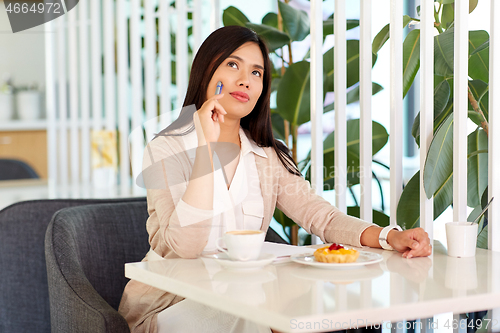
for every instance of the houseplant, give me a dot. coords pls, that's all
(438, 169)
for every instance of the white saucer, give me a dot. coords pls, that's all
(365, 258)
(223, 259)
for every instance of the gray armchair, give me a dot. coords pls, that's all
(86, 249)
(24, 300)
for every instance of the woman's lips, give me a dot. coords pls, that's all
(240, 96)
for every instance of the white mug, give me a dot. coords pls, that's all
(242, 245)
(461, 238)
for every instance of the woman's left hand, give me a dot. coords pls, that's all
(412, 242)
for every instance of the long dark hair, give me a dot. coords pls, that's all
(215, 49)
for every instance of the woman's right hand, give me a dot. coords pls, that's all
(207, 118)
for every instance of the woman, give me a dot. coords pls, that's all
(219, 169)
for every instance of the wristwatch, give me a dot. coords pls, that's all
(382, 238)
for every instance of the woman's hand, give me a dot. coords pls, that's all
(412, 242)
(207, 118)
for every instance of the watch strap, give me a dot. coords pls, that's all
(382, 238)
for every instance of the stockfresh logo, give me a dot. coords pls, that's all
(24, 15)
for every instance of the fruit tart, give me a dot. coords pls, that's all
(336, 254)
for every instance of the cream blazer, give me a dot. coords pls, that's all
(292, 194)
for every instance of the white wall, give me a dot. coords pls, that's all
(22, 55)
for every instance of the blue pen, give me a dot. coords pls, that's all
(218, 90)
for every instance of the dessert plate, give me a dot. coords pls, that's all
(365, 258)
(226, 262)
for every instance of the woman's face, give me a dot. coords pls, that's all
(242, 76)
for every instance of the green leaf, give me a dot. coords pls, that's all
(233, 16)
(353, 96)
(295, 21)
(278, 125)
(477, 167)
(479, 61)
(411, 59)
(293, 98)
(284, 220)
(439, 162)
(444, 2)
(482, 238)
(352, 63)
(481, 47)
(383, 35)
(447, 16)
(379, 218)
(472, 5)
(271, 19)
(441, 111)
(443, 53)
(379, 140)
(408, 211)
(328, 25)
(274, 38)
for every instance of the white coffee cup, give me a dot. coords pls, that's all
(242, 245)
(461, 238)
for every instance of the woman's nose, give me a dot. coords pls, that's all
(244, 81)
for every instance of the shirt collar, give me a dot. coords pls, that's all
(248, 145)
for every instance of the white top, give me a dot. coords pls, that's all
(239, 207)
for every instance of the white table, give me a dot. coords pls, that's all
(291, 297)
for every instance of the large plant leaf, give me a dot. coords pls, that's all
(411, 59)
(379, 140)
(443, 54)
(293, 98)
(379, 218)
(477, 167)
(441, 109)
(352, 64)
(233, 16)
(271, 19)
(439, 162)
(482, 238)
(328, 25)
(278, 125)
(275, 39)
(408, 211)
(478, 62)
(295, 21)
(447, 16)
(383, 35)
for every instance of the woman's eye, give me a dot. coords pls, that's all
(257, 73)
(232, 64)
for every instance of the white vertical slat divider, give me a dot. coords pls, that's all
(493, 154)
(197, 25)
(181, 49)
(396, 86)
(63, 101)
(316, 19)
(150, 67)
(84, 91)
(365, 99)
(136, 137)
(461, 59)
(215, 22)
(340, 55)
(123, 95)
(109, 65)
(165, 61)
(96, 63)
(426, 106)
(50, 95)
(74, 152)
(494, 131)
